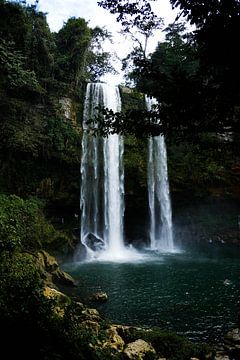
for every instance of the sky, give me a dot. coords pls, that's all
(59, 11)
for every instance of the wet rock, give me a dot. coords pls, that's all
(93, 242)
(138, 349)
(100, 297)
(233, 336)
(63, 277)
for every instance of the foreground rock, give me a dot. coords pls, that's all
(138, 350)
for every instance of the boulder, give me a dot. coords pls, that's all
(233, 337)
(63, 277)
(100, 297)
(138, 349)
(52, 293)
(113, 340)
(94, 242)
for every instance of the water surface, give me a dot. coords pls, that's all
(195, 293)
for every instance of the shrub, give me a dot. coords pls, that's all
(23, 225)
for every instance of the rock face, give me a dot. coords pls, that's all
(61, 299)
(113, 340)
(49, 261)
(51, 271)
(138, 350)
(68, 109)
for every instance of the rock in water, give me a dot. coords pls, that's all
(94, 243)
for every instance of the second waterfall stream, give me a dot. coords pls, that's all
(161, 228)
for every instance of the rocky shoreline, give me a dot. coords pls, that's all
(121, 341)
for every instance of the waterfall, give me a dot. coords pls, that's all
(161, 229)
(102, 179)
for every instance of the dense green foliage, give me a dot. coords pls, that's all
(72, 43)
(195, 81)
(24, 227)
(19, 223)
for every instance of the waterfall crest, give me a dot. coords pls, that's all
(102, 179)
(161, 229)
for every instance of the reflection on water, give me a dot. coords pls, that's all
(194, 293)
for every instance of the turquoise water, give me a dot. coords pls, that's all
(195, 293)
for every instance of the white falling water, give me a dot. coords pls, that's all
(114, 180)
(161, 229)
(102, 180)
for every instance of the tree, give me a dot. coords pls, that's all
(13, 73)
(40, 45)
(72, 42)
(28, 32)
(217, 25)
(212, 91)
(136, 18)
(98, 60)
